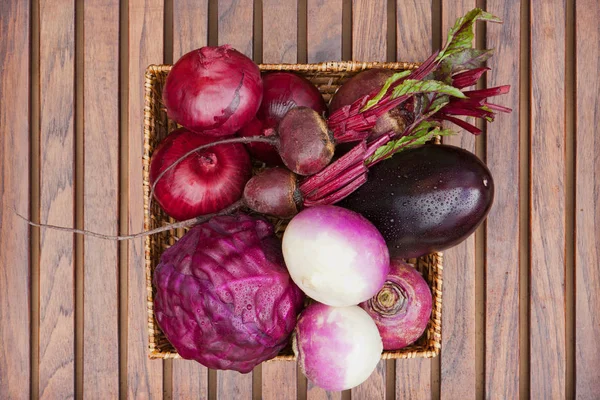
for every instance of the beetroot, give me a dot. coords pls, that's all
(273, 191)
(214, 90)
(361, 84)
(223, 295)
(205, 182)
(282, 91)
(306, 145)
(401, 309)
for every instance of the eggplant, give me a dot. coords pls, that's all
(425, 199)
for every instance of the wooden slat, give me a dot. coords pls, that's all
(57, 286)
(279, 380)
(324, 30)
(235, 29)
(587, 208)
(324, 43)
(190, 21)
(144, 376)
(458, 375)
(14, 181)
(233, 385)
(316, 393)
(190, 26)
(101, 183)
(413, 30)
(190, 380)
(369, 30)
(280, 35)
(369, 27)
(280, 45)
(413, 379)
(502, 242)
(374, 386)
(547, 225)
(235, 24)
(413, 43)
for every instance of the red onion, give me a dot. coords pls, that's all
(213, 90)
(401, 309)
(203, 183)
(282, 91)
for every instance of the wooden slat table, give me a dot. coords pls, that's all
(521, 314)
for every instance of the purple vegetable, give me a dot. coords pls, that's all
(204, 183)
(370, 82)
(282, 91)
(401, 309)
(335, 255)
(214, 90)
(425, 199)
(337, 348)
(223, 295)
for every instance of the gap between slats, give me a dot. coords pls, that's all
(570, 208)
(168, 59)
(123, 191)
(79, 164)
(213, 40)
(34, 212)
(480, 238)
(436, 43)
(524, 200)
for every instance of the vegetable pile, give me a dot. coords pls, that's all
(357, 184)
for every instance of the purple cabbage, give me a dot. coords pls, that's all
(224, 296)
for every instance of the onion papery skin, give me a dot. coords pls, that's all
(213, 90)
(402, 308)
(204, 182)
(282, 91)
(337, 348)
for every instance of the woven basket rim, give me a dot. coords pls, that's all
(328, 66)
(433, 346)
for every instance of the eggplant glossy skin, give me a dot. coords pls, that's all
(425, 199)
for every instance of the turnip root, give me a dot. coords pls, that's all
(336, 256)
(337, 348)
(401, 309)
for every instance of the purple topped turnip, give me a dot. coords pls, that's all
(223, 295)
(337, 348)
(335, 255)
(401, 309)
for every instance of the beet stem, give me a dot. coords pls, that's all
(334, 184)
(181, 224)
(340, 194)
(332, 170)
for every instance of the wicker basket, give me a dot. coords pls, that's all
(327, 77)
